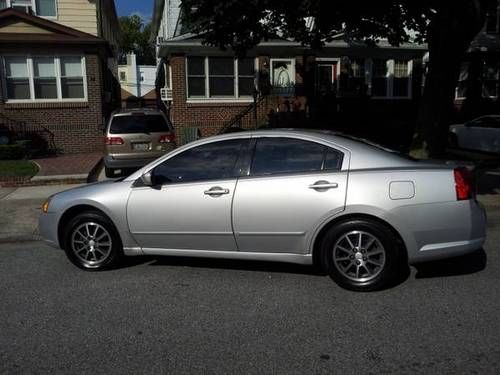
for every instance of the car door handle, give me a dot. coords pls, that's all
(323, 185)
(216, 190)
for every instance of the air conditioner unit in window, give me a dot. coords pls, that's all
(166, 94)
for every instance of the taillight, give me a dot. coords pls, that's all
(167, 138)
(113, 141)
(463, 183)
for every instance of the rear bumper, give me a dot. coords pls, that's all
(445, 230)
(448, 250)
(110, 162)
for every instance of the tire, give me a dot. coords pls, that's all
(379, 260)
(109, 172)
(92, 243)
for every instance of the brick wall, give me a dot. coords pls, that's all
(76, 126)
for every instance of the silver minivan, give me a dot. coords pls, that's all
(135, 137)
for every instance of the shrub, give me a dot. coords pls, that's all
(12, 152)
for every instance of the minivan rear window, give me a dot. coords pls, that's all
(138, 124)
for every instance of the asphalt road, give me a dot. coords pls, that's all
(179, 315)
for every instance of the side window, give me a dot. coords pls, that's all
(333, 160)
(289, 155)
(211, 161)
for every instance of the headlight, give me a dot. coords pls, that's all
(45, 205)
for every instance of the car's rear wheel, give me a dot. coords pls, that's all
(361, 255)
(109, 172)
(92, 242)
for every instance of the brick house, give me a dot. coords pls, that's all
(58, 70)
(212, 90)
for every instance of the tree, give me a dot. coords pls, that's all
(447, 26)
(135, 38)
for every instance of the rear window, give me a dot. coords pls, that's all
(138, 124)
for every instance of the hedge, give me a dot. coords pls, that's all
(12, 152)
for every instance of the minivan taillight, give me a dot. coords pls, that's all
(463, 183)
(167, 138)
(113, 141)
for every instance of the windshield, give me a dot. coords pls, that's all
(138, 124)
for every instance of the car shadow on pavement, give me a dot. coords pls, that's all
(231, 264)
(463, 265)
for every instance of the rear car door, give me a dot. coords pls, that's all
(190, 206)
(292, 186)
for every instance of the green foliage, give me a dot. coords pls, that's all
(243, 24)
(135, 38)
(12, 152)
(11, 168)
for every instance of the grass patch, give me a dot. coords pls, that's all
(17, 168)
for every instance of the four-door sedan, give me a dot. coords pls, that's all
(357, 210)
(481, 134)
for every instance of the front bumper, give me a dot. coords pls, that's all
(47, 226)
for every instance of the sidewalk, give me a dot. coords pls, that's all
(20, 208)
(62, 169)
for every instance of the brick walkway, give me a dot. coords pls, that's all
(72, 164)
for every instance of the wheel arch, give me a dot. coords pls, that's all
(316, 245)
(71, 212)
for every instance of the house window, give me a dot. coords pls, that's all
(17, 77)
(356, 82)
(72, 84)
(196, 76)
(379, 78)
(123, 76)
(400, 83)
(42, 8)
(22, 5)
(490, 80)
(44, 78)
(246, 74)
(219, 77)
(283, 76)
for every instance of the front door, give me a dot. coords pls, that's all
(190, 208)
(326, 77)
(293, 186)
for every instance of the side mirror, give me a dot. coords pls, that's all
(147, 179)
(103, 128)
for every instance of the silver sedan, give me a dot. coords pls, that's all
(360, 212)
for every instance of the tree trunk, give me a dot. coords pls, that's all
(450, 34)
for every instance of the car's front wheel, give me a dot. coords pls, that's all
(362, 255)
(92, 242)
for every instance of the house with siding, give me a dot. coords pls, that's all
(58, 70)
(279, 80)
(137, 83)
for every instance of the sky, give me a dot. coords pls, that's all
(143, 8)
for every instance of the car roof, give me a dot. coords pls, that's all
(132, 111)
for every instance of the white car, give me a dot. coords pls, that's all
(481, 134)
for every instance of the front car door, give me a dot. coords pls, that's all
(293, 185)
(190, 208)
